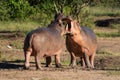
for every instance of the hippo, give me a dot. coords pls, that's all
(81, 42)
(45, 42)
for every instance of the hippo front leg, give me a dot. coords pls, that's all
(73, 60)
(92, 60)
(87, 61)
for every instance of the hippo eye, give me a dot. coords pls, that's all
(60, 24)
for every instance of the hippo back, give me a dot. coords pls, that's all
(89, 35)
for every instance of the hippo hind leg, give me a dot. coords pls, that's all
(38, 57)
(57, 59)
(27, 59)
(83, 62)
(48, 61)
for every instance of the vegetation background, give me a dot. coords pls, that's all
(25, 15)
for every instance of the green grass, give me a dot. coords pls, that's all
(104, 34)
(115, 26)
(104, 11)
(18, 26)
(112, 31)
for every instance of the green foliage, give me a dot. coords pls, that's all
(20, 9)
(15, 9)
(42, 11)
(4, 10)
(85, 18)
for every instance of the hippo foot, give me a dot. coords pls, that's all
(39, 68)
(26, 68)
(87, 68)
(73, 66)
(59, 65)
(48, 65)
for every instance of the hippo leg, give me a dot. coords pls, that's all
(57, 59)
(73, 60)
(87, 61)
(92, 60)
(83, 62)
(37, 60)
(48, 61)
(27, 59)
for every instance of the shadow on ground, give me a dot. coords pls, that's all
(108, 63)
(103, 63)
(11, 65)
(107, 22)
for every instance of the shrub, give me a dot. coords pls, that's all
(15, 9)
(85, 18)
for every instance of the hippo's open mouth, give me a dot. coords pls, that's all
(68, 26)
(70, 34)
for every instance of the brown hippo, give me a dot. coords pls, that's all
(80, 42)
(45, 42)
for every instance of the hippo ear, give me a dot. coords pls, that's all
(60, 21)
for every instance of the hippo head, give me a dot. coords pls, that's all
(73, 27)
(58, 22)
(60, 16)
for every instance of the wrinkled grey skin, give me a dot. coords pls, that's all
(82, 45)
(45, 42)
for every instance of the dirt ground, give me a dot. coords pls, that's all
(107, 62)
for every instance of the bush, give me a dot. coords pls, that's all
(15, 9)
(85, 18)
(4, 9)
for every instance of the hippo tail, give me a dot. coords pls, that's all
(28, 42)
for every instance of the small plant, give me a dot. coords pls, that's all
(17, 44)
